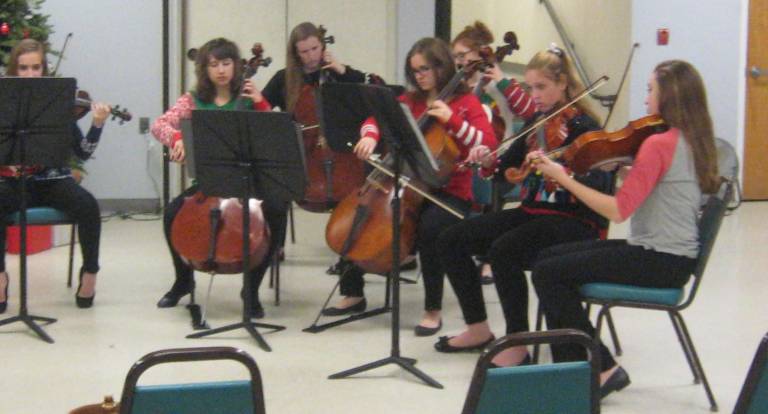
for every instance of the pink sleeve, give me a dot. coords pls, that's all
(653, 161)
(166, 127)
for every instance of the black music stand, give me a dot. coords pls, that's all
(248, 154)
(406, 143)
(36, 121)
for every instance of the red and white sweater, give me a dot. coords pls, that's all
(468, 126)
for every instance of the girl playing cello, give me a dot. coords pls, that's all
(219, 74)
(512, 238)
(55, 187)
(428, 69)
(669, 175)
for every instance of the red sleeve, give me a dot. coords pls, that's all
(651, 163)
(469, 124)
(262, 106)
(370, 129)
(519, 101)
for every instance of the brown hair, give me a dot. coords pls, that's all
(219, 49)
(683, 105)
(23, 47)
(294, 72)
(555, 64)
(438, 56)
(474, 36)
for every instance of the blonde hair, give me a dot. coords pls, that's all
(555, 65)
(294, 73)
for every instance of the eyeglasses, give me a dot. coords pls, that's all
(421, 70)
(461, 55)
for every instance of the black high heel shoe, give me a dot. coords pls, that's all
(80, 301)
(4, 304)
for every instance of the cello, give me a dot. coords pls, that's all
(510, 45)
(360, 227)
(207, 232)
(330, 175)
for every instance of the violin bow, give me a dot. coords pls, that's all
(61, 54)
(621, 83)
(507, 142)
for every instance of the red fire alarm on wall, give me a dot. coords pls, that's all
(662, 37)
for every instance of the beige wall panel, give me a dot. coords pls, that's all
(600, 30)
(242, 21)
(364, 30)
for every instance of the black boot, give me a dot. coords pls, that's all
(178, 291)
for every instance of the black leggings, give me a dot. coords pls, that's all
(560, 272)
(511, 240)
(62, 194)
(432, 222)
(276, 220)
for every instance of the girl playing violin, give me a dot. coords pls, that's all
(669, 175)
(55, 187)
(512, 238)
(219, 75)
(428, 69)
(504, 98)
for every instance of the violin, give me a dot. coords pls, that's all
(330, 175)
(83, 106)
(596, 149)
(551, 131)
(360, 227)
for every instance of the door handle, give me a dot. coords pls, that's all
(755, 72)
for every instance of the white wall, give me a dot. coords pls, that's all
(415, 19)
(116, 55)
(711, 36)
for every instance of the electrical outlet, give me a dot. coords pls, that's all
(143, 125)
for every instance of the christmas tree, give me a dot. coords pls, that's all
(21, 19)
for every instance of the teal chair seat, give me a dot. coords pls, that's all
(629, 293)
(41, 216)
(211, 398)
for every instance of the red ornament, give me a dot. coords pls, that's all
(5, 28)
(25, 33)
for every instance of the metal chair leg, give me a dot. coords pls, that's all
(71, 254)
(539, 323)
(612, 330)
(293, 226)
(686, 348)
(697, 362)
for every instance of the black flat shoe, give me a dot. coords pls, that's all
(257, 311)
(4, 304)
(616, 382)
(442, 345)
(356, 308)
(408, 266)
(420, 330)
(81, 302)
(172, 297)
(525, 361)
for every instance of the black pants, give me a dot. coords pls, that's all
(511, 240)
(275, 217)
(62, 194)
(560, 271)
(433, 220)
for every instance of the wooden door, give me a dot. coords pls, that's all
(756, 131)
